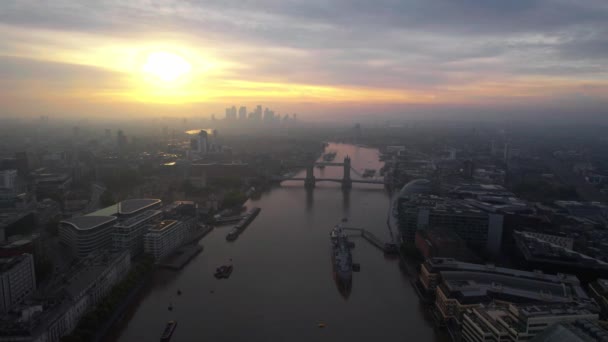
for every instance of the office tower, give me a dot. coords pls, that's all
(203, 142)
(268, 115)
(86, 234)
(258, 113)
(17, 280)
(8, 179)
(233, 113)
(357, 132)
(22, 163)
(242, 113)
(121, 140)
(479, 228)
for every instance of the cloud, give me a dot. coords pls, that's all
(432, 47)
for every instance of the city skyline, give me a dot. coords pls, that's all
(544, 58)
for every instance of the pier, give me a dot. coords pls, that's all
(179, 258)
(183, 254)
(386, 247)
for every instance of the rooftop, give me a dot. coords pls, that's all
(515, 316)
(477, 287)
(163, 225)
(539, 310)
(577, 331)
(8, 263)
(499, 204)
(475, 190)
(435, 265)
(535, 248)
(481, 283)
(89, 222)
(132, 221)
(441, 205)
(415, 186)
(132, 206)
(107, 211)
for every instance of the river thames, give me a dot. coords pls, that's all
(282, 286)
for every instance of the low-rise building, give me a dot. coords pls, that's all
(441, 242)
(518, 322)
(584, 330)
(165, 237)
(66, 300)
(598, 290)
(458, 286)
(129, 234)
(17, 280)
(536, 252)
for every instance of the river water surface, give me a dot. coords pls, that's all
(282, 286)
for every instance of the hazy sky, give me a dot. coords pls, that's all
(309, 56)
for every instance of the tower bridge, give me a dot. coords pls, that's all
(310, 180)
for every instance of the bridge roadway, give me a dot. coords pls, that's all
(328, 164)
(337, 180)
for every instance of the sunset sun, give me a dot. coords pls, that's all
(166, 66)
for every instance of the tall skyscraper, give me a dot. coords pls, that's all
(121, 140)
(268, 115)
(203, 142)
(258, 113)
(8, 179)
(242, 113)
(233, 113)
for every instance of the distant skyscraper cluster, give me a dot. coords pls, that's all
(258, 114)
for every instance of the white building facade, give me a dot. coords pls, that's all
(165, 237)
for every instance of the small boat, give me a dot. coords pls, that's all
(223, 272)
(168, 332)
(179, 292)
(233, 234)
(170, 308)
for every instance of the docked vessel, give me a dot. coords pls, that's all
(243, 223)
(168, 332)
(232, 234)
(342, 260)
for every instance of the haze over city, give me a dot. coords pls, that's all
(416, 58)
(291, 170)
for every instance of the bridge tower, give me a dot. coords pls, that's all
(347, 182)
(309, 182)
